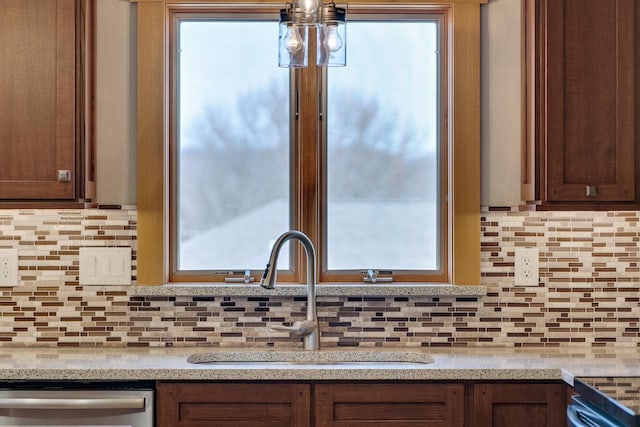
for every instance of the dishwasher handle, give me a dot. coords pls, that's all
(72, 403)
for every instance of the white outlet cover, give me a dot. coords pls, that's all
(105, 266)
(527, 267)
(9, 267)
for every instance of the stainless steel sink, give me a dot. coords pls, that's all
(251, 358)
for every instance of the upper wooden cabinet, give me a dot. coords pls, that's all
(46, 81)
(581, 94)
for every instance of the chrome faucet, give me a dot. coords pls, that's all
(309, 327)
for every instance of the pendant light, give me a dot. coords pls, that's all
(293, 41)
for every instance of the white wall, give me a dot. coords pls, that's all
(116, 102)
(500, 102)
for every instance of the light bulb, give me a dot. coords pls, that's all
(309, 6)
(293, 40)
(332, 40)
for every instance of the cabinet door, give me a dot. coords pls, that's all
(590, 100)
(379, 405)
(233, 405)
(46, 87)
(522, 405)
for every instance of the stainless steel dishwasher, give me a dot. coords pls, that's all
(46, 404)
(582, 414)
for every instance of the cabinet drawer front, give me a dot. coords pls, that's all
(232, 405)
(524, 405)
(352, 405)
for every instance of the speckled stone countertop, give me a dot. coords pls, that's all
(457, 364)
(254, 289)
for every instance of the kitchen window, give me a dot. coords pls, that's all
(238, 121)
(361, 158)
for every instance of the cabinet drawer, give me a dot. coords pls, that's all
(505, 405)
(232, 405)
(353, 405)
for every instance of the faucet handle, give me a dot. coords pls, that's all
(300, 328)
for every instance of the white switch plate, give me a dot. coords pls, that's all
(105, 266)
(9, 267)
(526, 267)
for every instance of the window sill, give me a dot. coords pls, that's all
(283, 290)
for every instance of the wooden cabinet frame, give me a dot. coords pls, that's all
(407, 405)
(516, 404)
(357, 403)
(49, 115)
(572, 137)
(234, 404)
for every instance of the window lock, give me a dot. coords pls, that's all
(236, 278)
(373, 276)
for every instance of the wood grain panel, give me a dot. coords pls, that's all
(390, 412)
(152, 157)
(465, 145)
(37, 107)
(236, 412)
(353, 405)
(590, 76)
(229, 404)
(522, 405)
(520, 414)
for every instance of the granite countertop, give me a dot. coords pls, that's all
(18, 364)
(289, 290)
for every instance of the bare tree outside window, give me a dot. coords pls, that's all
(234, 171)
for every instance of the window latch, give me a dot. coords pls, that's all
(373, 276)
(246, 278)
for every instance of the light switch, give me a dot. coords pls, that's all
(105, 266)
(117, 266)
(88, 264)
(103, 263)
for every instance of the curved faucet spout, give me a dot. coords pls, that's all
(268, 281)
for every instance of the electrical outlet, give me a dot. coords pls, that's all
(526, 267)
(9, 267)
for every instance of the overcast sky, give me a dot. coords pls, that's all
(220, 60)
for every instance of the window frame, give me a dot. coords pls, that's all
(462, 119)
(441, 275)
(226, 13)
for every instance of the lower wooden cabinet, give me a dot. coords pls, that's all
(356, 404)
(233, 405)
(395, 404)
(521, 404)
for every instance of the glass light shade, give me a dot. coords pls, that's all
(331, 49)
(292, 45)
(309, 7)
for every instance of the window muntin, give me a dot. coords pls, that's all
(384, 181)
(435, 270)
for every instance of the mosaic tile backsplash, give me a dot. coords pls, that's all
(589, 292)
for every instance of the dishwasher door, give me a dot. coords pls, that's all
(582, 414)
(76, 407)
